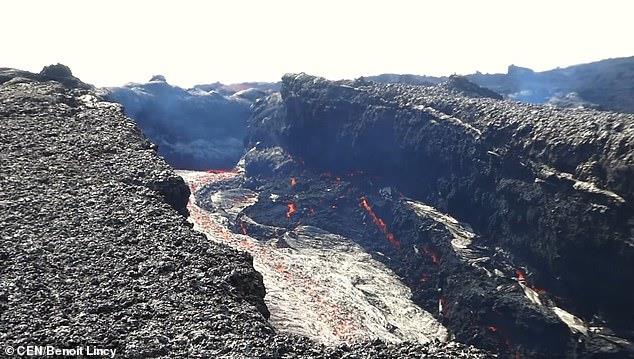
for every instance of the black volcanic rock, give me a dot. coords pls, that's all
(56, 72)
(160, 78)
(94, 251)
(409, 79)
(62, 74)
(552, 187)
(462, 85)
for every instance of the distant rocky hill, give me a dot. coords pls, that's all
(95, 247)
(198, 128)
(604, 85)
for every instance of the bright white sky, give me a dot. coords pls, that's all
(117, 41)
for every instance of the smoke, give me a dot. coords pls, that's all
(194, 128)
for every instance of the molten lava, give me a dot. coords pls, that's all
(521, 277)
(365, 204)
(378, 221)
(291, 208)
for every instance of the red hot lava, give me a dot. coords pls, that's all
(521, 277)
(291, 208)
(365, 204)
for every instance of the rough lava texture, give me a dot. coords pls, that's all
(95, 251)
(550, 188)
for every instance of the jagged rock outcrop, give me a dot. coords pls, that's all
(552, 187)
(94, 250)
(198, 128)
(463, 86)
(58, 72)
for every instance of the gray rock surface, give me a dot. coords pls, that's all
(94, 249)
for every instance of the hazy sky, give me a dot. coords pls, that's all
(117, 41)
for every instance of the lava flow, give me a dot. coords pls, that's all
(365, 204)
(520, 276)
(291, 208)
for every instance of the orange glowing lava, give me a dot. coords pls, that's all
(365, 204)
(291, 208)
(521, 277)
